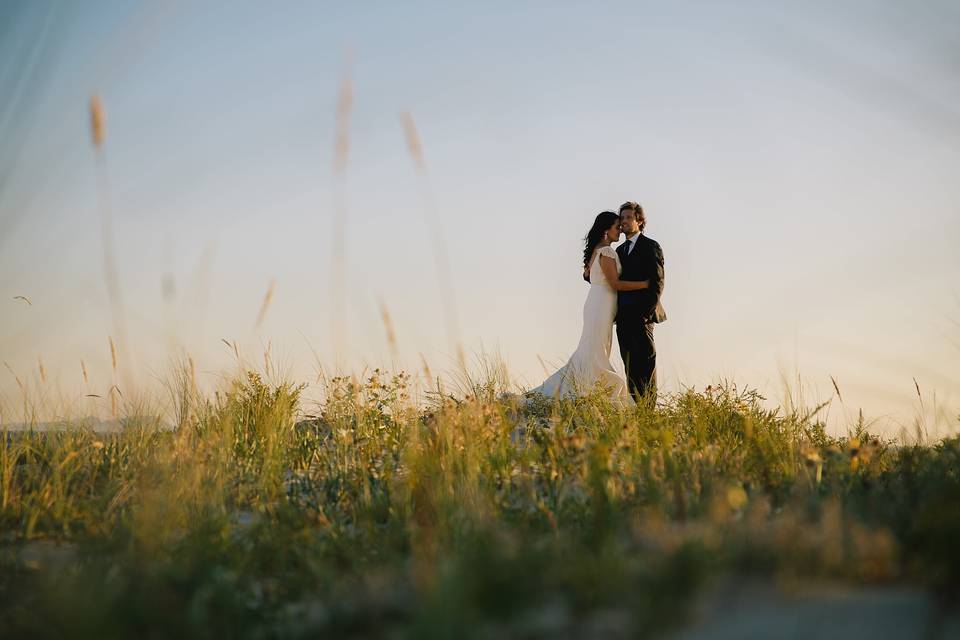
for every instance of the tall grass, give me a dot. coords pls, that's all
(474, 513)
(338, 250)
(111, 272)
(434, 229)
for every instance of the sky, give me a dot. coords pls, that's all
(797, 165)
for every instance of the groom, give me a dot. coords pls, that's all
(638, 311)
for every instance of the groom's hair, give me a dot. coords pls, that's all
(637, 212)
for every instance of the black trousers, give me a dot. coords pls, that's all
(639, 355)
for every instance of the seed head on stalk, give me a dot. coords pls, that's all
(98, 121)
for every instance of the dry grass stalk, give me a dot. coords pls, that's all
(341, 154)
(836, 388)
(113, 401)
(83, 370)
(111, 272)
(414, 146)
(341, 148)
(543, 364)
(113, 353)
(434, 228)
(265, 305)
(388, 327)
(15, 376)
(98, 121)
(232, 346)
(43, 370)
(25, 299)
(426, 368)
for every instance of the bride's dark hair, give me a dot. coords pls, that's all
(603, 221)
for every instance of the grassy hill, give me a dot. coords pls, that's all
(476, 514)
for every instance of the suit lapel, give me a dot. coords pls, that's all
(629, 261)
(636, 249)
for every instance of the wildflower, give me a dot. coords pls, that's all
(853, 447)
(736, 497)
(861, 453)
(811, 455)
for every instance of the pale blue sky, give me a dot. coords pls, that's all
(798, 166)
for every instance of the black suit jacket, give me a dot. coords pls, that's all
(645, 262)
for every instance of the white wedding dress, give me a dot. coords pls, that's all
(590, 363)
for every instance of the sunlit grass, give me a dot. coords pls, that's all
(419, 512)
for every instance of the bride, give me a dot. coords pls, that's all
(590, 363)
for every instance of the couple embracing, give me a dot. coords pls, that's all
(625, 288)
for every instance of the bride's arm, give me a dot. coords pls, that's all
(609, 267)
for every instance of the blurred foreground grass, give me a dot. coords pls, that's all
(477, 515)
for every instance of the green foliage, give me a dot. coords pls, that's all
(483, 514)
